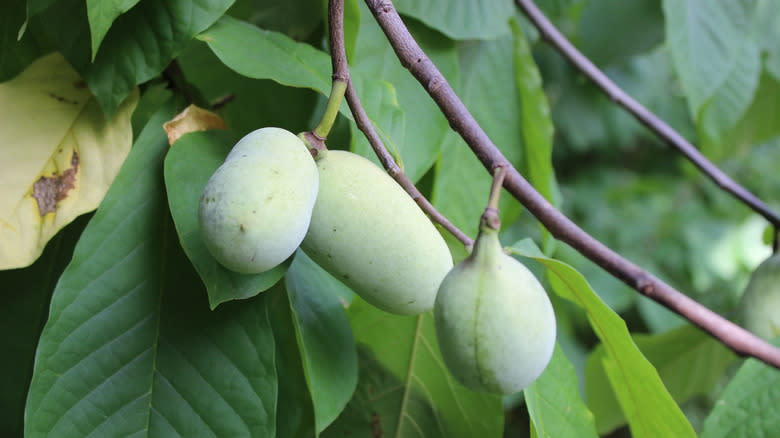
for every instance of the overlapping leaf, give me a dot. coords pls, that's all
(554, 403)
(689, 361)
(101, 14)
(188, 166)
(324, 337)
(405, 389)
(650, 409)
(749, 406)
(461, 19)
(131, 347)
(65, 154)
(137, 47)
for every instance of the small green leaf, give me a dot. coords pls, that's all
(418, 397)
(689, 361)
(101, 14)
(749, 406)
(537, 127)
(650, 409)
(554, 403)
(324, 337)
(294, 409)
(188, 166)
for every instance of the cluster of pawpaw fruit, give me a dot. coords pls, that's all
(494, 321)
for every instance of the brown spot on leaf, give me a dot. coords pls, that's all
(59, 98)
(50, 190)
(80, 84)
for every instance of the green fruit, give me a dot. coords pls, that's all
(759, 308)
(494, 322)
(256, 207)
(368, 232)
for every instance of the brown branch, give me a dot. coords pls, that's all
(461, 120)
(642, 114)
(341, 71)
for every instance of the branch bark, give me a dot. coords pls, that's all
(642, 114)
(417, 62)
(341, 72)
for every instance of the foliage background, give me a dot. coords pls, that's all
(116, 336)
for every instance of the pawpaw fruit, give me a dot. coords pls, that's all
(759, 306)
(368, 233)
(256, 207)
(494, 322)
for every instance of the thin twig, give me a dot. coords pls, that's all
(413, 58)
(645, 116)
(341, 71)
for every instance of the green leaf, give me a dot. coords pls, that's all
(130, 347)
(487, 87)
(101, 14)
(188, 166)
(611, 31)
(648, 406)
(380, 98)
(294, 409)
(297, 19)
(706, 39)
(426, 127)
(537, 127)
(25, 307)
(408, 387)
(61, 171)
(256, 103)
(461, 19)
(324, 337)
(749, 406)
(15, 54)
(139, 45)
(554, 403)
(689, 361)
(247, 50)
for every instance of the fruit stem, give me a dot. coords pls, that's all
(490, 219)
(332, 109)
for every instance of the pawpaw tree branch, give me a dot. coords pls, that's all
(341, 73)
(422, 68)
(642, 114)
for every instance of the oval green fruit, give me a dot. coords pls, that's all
(759, 307)
(494, 322)
(368, 233)
(256, 207)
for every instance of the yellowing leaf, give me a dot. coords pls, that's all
(59, 155)
(192, 119)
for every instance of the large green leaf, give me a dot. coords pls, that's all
(139, 45)
(188, 166)
(426, 127)
(749, 406)
(689, 361)
(487, 87)
(554, 403)
(26, 294)
(324, 337)
(297, 19)
(461, 19)
(714, 55)
(130, 347)
(101, 14)
(650, 409)
(537, 126)
(407, 386)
